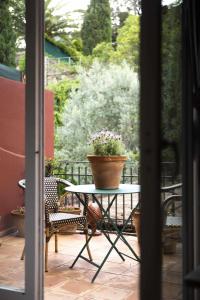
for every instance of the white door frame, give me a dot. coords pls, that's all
(34, 137)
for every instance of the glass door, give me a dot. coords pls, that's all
(171, 151)
(22, 152)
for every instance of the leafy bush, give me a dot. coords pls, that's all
(107, 98)
(77, 44)
(104, 52)
(126, 46)
(61, 92)
(22, 63)
(128, 40)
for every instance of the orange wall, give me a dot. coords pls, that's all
(12, 132)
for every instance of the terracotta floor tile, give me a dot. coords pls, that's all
(117, 280)
(171, 291)
(124, 282)
(107, 293)
(59, 296)
(77, 287)
(173, 277)
(53, 279)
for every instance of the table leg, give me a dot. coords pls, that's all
(106, 257)
(79, 255)
(119, 232)
(109, 239)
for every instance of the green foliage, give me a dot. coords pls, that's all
(61, 92)
(56, 25)
(7, 35)
(127, 45)
(107, 97)
(171, 77)
(103, 51)
(50, 166)
(106, 143)
(96, 26)
(77, 44)
(128, 40)
(22, 63)
(17, 11)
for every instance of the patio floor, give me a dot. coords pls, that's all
(118, 280)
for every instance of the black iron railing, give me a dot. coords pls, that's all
(79, 172)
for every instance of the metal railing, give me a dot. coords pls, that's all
(79, 172)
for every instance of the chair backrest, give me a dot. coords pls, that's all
(51, 192)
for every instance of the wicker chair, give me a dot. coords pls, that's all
(55, 219)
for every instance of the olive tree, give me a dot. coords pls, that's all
(107, 98)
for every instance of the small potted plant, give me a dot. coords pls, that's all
(107, 159)
(50, 165)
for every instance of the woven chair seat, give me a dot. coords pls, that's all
(65, 218)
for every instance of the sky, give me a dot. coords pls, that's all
(71, 5)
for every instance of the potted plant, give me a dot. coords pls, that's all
(50, 165)
(107, 159)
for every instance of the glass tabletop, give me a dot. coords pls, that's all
(90, 189)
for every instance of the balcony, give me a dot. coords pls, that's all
(116, 279)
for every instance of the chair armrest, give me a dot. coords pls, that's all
(166, 204)
(170, 200)
(65, 182)
(171, 188)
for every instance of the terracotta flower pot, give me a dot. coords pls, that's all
(107, 170)
(93, 215)
(136, 219)
(18, 222)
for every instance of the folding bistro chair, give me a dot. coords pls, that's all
(54, 219)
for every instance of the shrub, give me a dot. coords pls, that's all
(61, 92)
(107, 98)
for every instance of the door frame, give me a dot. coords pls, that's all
(34, 162)
(150, 146)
